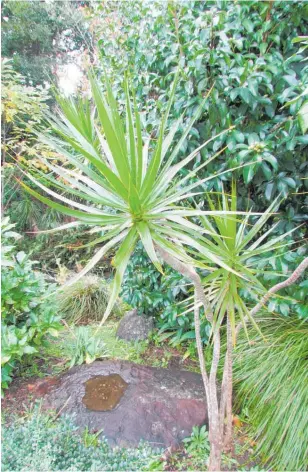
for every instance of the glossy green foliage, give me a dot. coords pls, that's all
(163, 296)
(260, 83)
(40, 443)
(27, 315)
(147, 289)
(271, 383)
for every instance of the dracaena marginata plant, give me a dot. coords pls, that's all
(128, 187)
(239, 243)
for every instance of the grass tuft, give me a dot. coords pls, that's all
(271, 383)
(86, 301)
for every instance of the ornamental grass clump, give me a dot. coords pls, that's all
(270, 377)
(86, 301)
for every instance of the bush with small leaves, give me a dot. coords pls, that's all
(39, 443)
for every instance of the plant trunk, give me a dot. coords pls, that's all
(228, 386)
(215, 432)
(209, 381)
(215, 456)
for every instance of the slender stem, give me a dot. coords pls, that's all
(286, 283)
(190, 273)
(210, 384)
(291, 280)
(229, 381)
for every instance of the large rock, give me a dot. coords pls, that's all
(134, 327)
(141, 403)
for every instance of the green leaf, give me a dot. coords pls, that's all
(246, 95)
(120, 261)
(248, 25)
(303, 117)
(147, 242)
(248, 173)
(96, 258)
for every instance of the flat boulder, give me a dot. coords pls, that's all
(134, 327)
(131, 402)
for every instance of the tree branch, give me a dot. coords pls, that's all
(286, 283)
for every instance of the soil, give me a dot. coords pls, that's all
(23, 393)
(169, 357)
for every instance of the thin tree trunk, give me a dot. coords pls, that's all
(210, 384)
(215, 434)
(190, 273)
(228, 387)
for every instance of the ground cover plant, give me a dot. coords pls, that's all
(42, 442)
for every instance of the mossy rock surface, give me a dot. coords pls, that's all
(134, 327)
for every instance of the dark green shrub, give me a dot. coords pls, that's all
(27, 304)
(147, 289)
(271, 384)
(39, 444)
(245, 49)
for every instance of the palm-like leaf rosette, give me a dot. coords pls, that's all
(127, 186)
(244, 247)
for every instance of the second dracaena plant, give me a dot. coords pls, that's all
(240, 244)
(124, 183)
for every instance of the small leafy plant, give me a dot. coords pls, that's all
(37, 442)
(198, 442)
(85, 346)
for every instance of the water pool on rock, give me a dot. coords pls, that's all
(104, 392)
